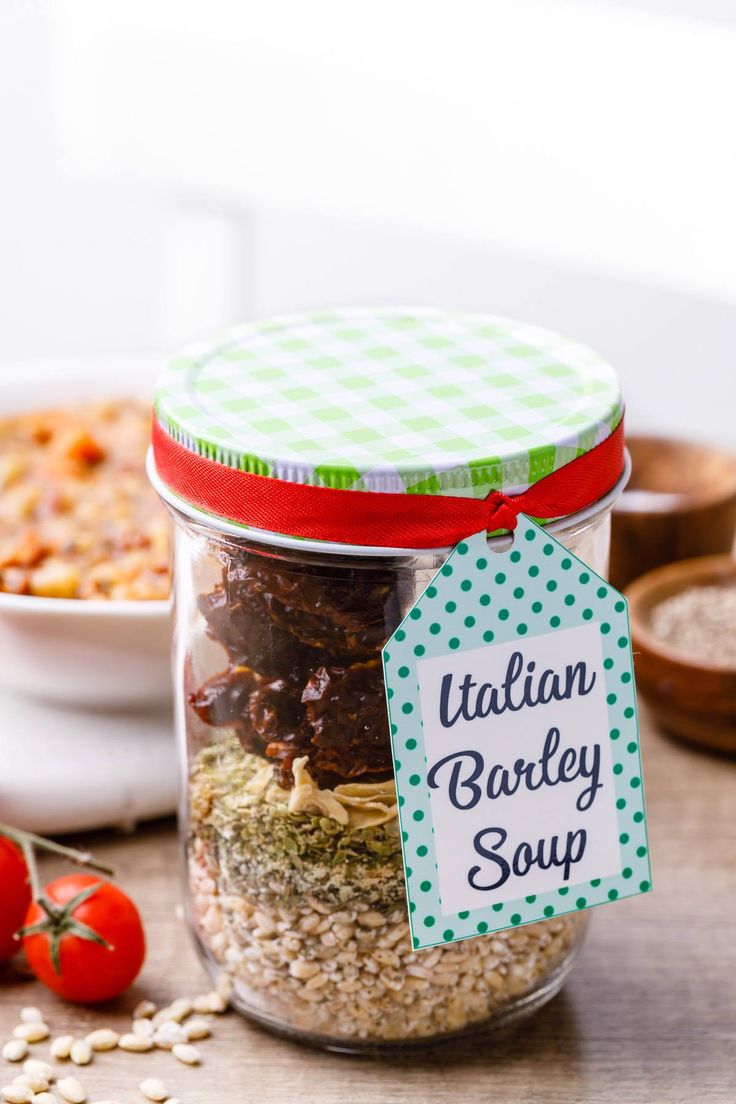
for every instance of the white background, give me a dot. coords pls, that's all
(527, 816)
(169, 167)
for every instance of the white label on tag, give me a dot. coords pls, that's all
(520, 792)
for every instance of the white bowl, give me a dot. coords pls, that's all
(83, 653)
(70, 770)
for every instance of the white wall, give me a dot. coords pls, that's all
(175, 166)
(675, 352)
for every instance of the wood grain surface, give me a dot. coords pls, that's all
(649, 1015)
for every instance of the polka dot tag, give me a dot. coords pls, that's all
(524, 598)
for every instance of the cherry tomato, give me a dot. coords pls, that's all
(84, 939)
(15, 896)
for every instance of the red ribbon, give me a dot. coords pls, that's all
(376, 518)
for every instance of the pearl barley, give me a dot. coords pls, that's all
(81, 1052)
(153, 1089)
(186, 1053)
(17, 1094)
(15, 1051)
(104, 1038)
(71, 1090)
(61, 1046)
(138, 1044)
(33, 1081)
(36, 1067)
(32, 1032)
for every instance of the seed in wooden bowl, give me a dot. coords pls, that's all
(186, 1053)
(32, 1032)
(45, 1098)
(153, 1089)
(144, 1010)
(61, 1046)
(81, 1052)
(699, 621)
(143, 1027)
(71, 1090)
(137, 1044)
(31, 1015)
(104, 1038)
(15, 1050)
(16, 1094)
(42, 1069)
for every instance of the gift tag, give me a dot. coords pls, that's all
(513, 722)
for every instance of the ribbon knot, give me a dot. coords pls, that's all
(374, 518)
(501, 512)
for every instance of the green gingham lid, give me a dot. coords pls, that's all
(416, 401)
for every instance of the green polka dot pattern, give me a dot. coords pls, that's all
(463, 618)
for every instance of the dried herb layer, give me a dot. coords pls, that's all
(275, 856)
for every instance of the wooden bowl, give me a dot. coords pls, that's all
(692, 699)
(680, 502)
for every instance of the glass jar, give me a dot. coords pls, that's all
(295, 878)
(289, 817)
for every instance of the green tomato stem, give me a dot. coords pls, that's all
(28, 842)
(30, 857)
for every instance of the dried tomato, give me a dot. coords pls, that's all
(305, 675)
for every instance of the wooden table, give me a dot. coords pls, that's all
(647, 1016)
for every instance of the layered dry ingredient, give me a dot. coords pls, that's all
(78, 517)
(294, 840)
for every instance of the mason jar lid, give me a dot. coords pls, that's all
(388, 400)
